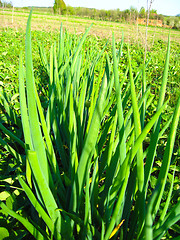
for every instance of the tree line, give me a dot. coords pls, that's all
(116, 15)
(128, 15)
(107, 15)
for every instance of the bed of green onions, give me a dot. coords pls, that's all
(87, 167)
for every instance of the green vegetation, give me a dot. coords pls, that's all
(5, 4)
(173, 22)
(116, 15)
(59, 6)
(88, 138)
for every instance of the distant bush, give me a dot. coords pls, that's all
(173, 22)
(177, 23)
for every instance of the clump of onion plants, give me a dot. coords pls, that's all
(90, 151)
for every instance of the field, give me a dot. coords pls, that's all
(89, 135)
(103, 29)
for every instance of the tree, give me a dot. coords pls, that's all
(161, 17)
(171, 21)
(133, 13)
(142, 12)
(126, 14)
(59, 7)
(5, 4)
(70, 10)
(177, 23)
(153, 14)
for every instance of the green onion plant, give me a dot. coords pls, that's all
(88, 165)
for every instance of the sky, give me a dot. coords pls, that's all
(165, 7)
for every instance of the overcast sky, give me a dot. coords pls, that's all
(165, 7)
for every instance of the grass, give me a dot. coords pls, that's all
(84, 141)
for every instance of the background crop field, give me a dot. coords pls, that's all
(103, 29)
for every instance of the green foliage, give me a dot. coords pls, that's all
(59, 7)
(6, 4)
(142, 13)
(173, 22)
(84, 145)
(127, 15)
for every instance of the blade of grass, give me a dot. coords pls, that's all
(79, 48)
(165, 209)
(122, 145)
(25, 222)
(36, 134)
(172, 218)
(140, 162)
(36, 204)
(46, 193)
(89, 145)
(149, 219)
(11, 150)
(11, 135)
(24, 116)
(154, 139)
(167, 157)
(50, 149)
